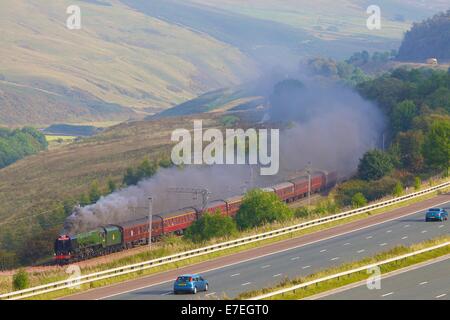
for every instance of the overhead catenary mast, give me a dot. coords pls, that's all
(203, 192)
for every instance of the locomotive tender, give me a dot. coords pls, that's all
(121, 236)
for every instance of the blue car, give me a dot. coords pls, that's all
(190, 283)
(436, 214)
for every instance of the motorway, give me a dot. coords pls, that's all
(268, 265)
(430, 281)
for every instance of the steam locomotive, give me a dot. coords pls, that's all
(113, 238)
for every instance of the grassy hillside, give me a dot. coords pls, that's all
(230, 99)
(32, 188)
(119, 56)
(336, 29)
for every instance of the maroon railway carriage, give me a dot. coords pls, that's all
(177, 221)
(135, 232)
(233, 205)
(318, 181)
(285, 191)
(217, 205)
(300, 187)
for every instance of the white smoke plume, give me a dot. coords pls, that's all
(333, 127)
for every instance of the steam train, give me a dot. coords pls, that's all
(113, 238)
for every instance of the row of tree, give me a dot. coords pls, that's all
(19, 143)
(417, 105)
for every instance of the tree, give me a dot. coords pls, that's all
(21, 280)
(94, 192)
(402, 115)
(358, 200)
(84, 200)
(410, 144)
(374, 165)
(111, 185)
(437, 146)
(146, 169)
(211, 226)
(130, 178)
(417, 183)
(259, 207)
(398, 189)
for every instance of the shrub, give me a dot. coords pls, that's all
(358, 200)
(398, 189)
(21, 280)
(374, 165)
(211, 226)
(260, 207)
(417, 183)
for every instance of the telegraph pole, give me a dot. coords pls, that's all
(150, 220)
(308, 171)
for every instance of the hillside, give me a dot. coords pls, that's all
(427, 39)
(230, 99)
(337, 29)
(120, 57)
(33, 188)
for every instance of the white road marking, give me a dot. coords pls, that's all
(266, 266)
(441, 226)
(167, 293)
(383, 244)
(272, 253)
(295, 258)
(324, 250)
(441, 295)
(387, 294)
(235, 275)
(335, 258)
(306, 267)
(347, 244)
(389, 231)
(361, 251)
(277, 275)
(369, 237)
(424, 231)
(406, 226)
(422, 283)
(246, 284)
(405, 237)
(210, 294)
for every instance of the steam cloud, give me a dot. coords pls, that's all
(333, 127)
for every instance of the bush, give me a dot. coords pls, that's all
(260, 207)
(398, 189)
(302, 212)
(145, 170)
(371, 190)
(21, 280)
(348, 189)
(358, 200)
(374, 165)
(211, 226)
(417, 183)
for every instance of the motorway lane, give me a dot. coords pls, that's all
(270, 270)
(427, 282)
(267, 265)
